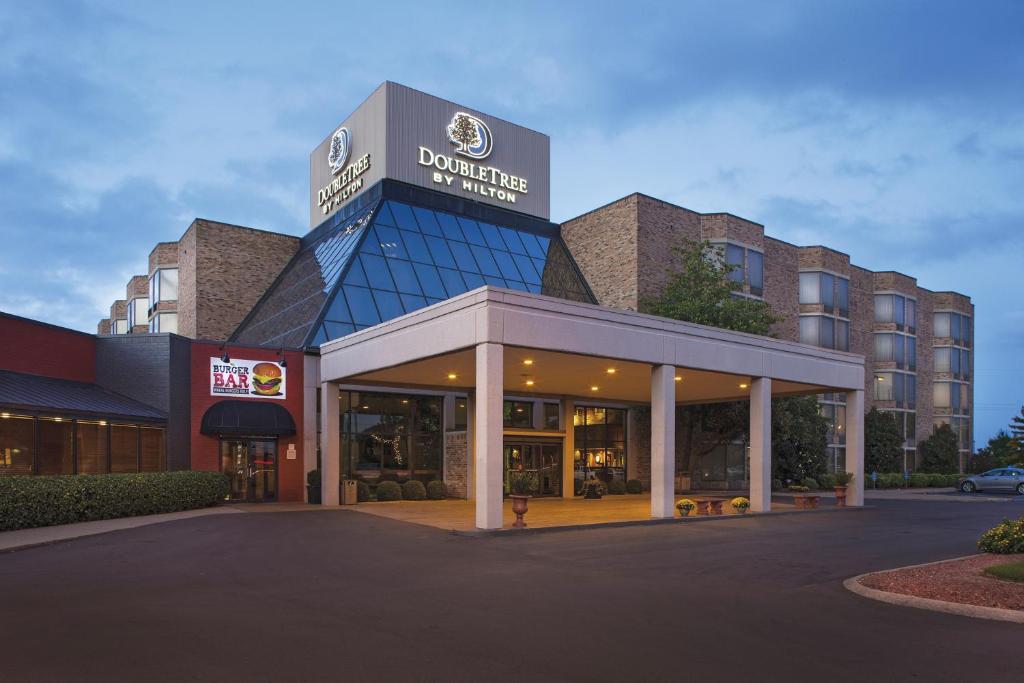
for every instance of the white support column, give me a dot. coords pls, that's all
(488, 435)
(310, 385)
(663, 440)
(761, 444)
(568, 409)
(855, 446)
(330, 443)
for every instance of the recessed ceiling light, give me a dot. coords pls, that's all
(743, 385)
(610, 371)
(594, 388)
(529, 382)
(528, 361)
(452, 375)
(405, 400)
(679, 378)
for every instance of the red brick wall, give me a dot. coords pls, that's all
(206, 449)
(39, 349)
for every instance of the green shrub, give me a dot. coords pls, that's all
(34, 501)
(776, 484)
(827, 481)
(634, 486)
(797, 488)
(389, 490)
(811, 483)
(313, 478)
(616, 487)
(362, 491)
(842, 478)
(936, 480)
(414, 490)
(891, 480)
(1007, 537)
(436, 490)
(919, 480)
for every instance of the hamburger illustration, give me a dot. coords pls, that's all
(266, 379)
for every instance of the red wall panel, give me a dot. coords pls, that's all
(291, 478)
(37, 348)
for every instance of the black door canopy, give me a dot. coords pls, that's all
(247, 418)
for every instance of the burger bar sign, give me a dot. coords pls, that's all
(247, 378)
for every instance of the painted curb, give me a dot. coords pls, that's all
(854, 585)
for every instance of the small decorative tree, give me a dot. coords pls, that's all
(940, 452)
(883, 442)
(1017, 432)
(463, 130)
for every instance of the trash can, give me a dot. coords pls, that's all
(349, 492)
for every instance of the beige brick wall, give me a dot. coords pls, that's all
(456, 453)
(187, 323)
(604, 244)
(661, 227)
(781, 282)
(103, 326)
(163, 255)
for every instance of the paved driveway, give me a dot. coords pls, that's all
(342, 596)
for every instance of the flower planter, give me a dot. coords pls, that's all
(684, 512)
(741, 511)
(519, 505)
(840, 496)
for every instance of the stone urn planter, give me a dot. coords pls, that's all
(519, 507)
(840, 496)
(685, 506)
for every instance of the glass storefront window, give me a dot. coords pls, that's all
(16, 442)
(600, 443)
(56, 447)
(152, 456)
(124, 448)
(552, 420)
(518, 414)
(391, 435)
(91, 442)
(461, 414)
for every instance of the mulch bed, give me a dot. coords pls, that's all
(962, 581)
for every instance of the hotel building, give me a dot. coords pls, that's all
(435, 324)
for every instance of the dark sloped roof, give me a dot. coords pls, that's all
(19, 391)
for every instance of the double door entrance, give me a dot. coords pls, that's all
(541, 457)
(251, 468)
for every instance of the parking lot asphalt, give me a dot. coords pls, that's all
(319, 596)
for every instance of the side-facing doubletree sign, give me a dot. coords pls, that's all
(487, 181)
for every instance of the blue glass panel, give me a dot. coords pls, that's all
(427, 221)
(413, 303)
(486, 261)
(496, 281)
(403, 216)
(527, 269)
(539, 265)
(473, 235)
(430, 280)
(520, 286)
(473, 280)
(453, 282)
(416, 247)
(377, 271)
(320, 337)
(360, 302)
(405, 278)
(390, 241)
(533, 248)
(338, 310)
(355, 275)
(336, 330)
(431, 302)
(494, 240)
(544, 244)
(533, 288)
(388, 303)
(511, 237)
(439, 250)
(450, 227)
(506, 266)
(372, 244)
(463, 257)
(384, 215)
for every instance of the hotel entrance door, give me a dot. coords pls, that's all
(543, 458)
(251, 468)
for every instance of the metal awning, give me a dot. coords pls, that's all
(247, 418)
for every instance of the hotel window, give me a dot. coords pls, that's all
(911, 316)
(600, 443)
(17, 436)
(163, 286)
(896, 348)
(897, 387)
(518, 415)
(137, 313)
(889, 308)
(734, 257)
(120, 326)
(843, 297)
(391, 435)
(825, 331)
(749, 266)
(755, 272)
(952, 397)
(164, 322)
(954, 326)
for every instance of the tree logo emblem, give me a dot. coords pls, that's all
(341, 146)
(470, 135)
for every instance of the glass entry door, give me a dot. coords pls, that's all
(544, 459)
(251, 468)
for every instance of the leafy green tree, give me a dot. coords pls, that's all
(700, 291)
(940, 452)
(799, 439)
(883, 442)
(1000, 452)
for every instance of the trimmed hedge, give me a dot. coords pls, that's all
(811, 483)
(617, 487)
(894, 480)
(827, 481)
(362, 491)
(634, 486)
(414, 490)
(34, 501)
(389, 490)
(436, 490)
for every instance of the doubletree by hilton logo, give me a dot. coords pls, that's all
(470, 135)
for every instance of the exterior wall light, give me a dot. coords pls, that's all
(452, 375)
(679, 378)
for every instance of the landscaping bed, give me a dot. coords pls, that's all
(962, 581)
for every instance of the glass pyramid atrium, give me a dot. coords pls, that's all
(392, 258)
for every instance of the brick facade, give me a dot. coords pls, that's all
(456, 472)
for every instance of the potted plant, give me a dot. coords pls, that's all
(842, 481)
(685, 507)
(740, 505)
(593, 489)
(313, 487)
(521, 485)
